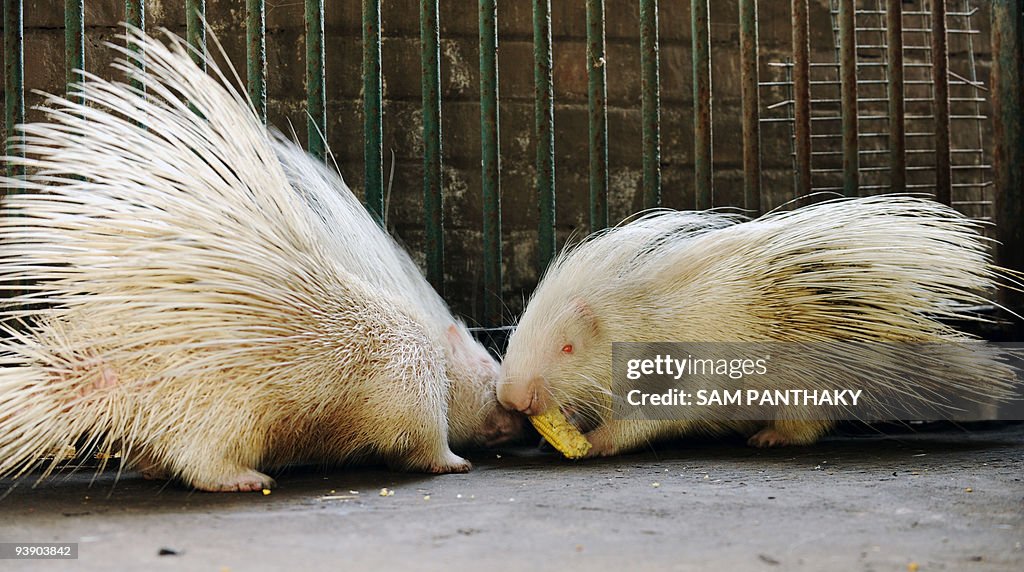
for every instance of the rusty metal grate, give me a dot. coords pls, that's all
(880, 162)
(890, 111)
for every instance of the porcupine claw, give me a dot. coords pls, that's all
(768, 437)
(248, 480)
(453, 464)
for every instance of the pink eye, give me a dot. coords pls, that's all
(567, 349)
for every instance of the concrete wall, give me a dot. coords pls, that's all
(44, 65)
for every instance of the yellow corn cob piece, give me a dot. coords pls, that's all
(557, 430)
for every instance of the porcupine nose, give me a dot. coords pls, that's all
(526, 397)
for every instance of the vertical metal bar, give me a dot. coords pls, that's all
(897, 107)
(848, 95)
(195, 30)
(316, 104)
(490, 162)
(597, 105)
(751, 107)
(14, 98)
(433, 195)
(702, 160)
(1008, 115)
(940, 78)
(74, 41)
(135, 15)
(373, 129)
(650, 105)
(13, 49)
(802, 97)
(256, 55)
(14, 75)
(544, 118)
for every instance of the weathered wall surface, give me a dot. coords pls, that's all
(44, 65)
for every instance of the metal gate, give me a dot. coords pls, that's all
(877, 119)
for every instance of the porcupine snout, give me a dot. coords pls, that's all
(525, 395)
(502, 426)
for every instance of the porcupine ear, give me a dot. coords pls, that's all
(458, 341)
(584, 315)
(454, 336)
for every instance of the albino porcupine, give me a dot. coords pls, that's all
(879, 269)
(204, 297)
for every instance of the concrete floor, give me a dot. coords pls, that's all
(946, 500)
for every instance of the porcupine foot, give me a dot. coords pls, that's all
(787, 433)
(208, 474)
(602, 443)
(614, 437)
(201, 465)
(439, 464)
(245, 480)
(451, 463)
(768, 437)
(424, 447)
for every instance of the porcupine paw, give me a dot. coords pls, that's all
(603, 442)
(770, 437)
(247, 480)
(450, 463)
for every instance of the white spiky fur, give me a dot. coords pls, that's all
(877, 269)
(361, 247)
(189, 307)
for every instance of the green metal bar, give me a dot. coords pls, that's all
(897, 106)
(702, 133)
(544, 117)
(373, 130)
(433, 191)
(14, 76)
(135, 15)
(490, 162)
(256, 55)
(940, 78)
(801, 98)
(195, 30)
(74, 41)
(316, 104)
(848, 96)
(650, 103)
(14, 97)
(751, 107)
(597, 104)
(1008, 115)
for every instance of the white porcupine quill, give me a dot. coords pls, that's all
(911, 260)
(127, 266)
